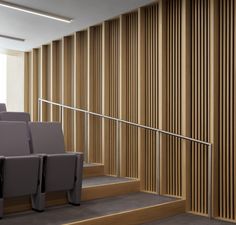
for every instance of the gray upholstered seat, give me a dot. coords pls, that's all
(62, 171)
(3, 107)
(15, 116)
(19, 170)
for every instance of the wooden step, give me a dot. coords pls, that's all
(137, 216)
(98, 187)
(93, 188)
(133, 208)
(93, 170)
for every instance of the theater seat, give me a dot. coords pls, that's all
(62, 171)
(3, 107)
(19, 170)
(15, 116)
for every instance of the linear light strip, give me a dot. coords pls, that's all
(12, 38)
(35, 12)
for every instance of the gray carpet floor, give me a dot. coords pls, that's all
(88, 209)
(91, 181)
(188, 219)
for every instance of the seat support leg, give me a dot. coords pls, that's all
(1, 208)
(74, 195)
(38, 202)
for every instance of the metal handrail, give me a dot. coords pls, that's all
(158, 132)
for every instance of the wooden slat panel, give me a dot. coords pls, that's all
(35, 83)
(226, 109)
(174, 105)
(46, 81)
(151, 89)
(27, 82)
(95, 94)
(56, 78)
(200, 103)
(80, 87)
(129, 95)
(68, 90)
(111, 47)
(150, 80)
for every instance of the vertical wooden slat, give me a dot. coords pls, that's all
(95, 93)
(162, 91)
(46, 81)
(56, 77)
(27, 82)
(80, 88)
(68, 91)
(35, 84)
(110, 93)
(186, 99)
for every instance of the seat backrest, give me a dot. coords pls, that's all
(14, 139)
(46, 137)
(3, 107)
(15, 116)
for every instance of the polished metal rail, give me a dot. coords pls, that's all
(158, 137)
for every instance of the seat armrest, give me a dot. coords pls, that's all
(22, 157)
(41, 155)
(72, 152)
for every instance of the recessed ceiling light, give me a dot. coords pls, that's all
(35, 12)
(11, 38)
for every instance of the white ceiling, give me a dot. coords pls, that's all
(39, 30)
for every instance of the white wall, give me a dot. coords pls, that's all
(15, 83)
(3, 75)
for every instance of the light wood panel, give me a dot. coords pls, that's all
(129, 94)
(68, 90)
(214, 99)
(151, 94)
(200, 104)
(35, 83)
(226, 133)
(93, 170)
(95, 93)
(27, 86)
(56, 78)
(173, 102)
(45, 81)
(162, 90)
(186, 99)
(109, 190)
(111, 55)
(81, 88)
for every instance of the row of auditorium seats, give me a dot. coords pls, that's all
(33, 161)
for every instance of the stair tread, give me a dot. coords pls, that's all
(88, 209)
(101, 180)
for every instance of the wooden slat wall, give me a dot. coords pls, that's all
(111, 70)
(95, 93)
(68, 90)
(56, 78)
(173, 119)
(227, 93)
(35, 83)
(151, 94)
(129, 94)
(27, 77)
(46, 81)
(200, 104)
(80, 87)
(137, 67)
